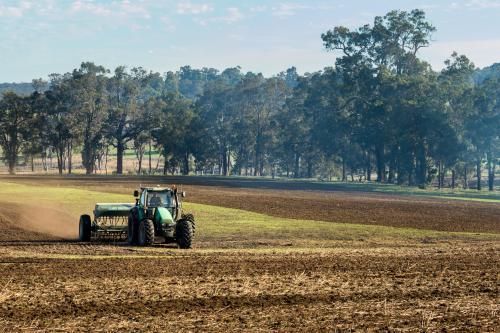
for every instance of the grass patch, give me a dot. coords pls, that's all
(446, 193)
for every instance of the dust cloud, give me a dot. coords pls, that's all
(31, 222)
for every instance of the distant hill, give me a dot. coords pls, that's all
(18, 88)
(487, 72)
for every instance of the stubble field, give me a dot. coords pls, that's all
(265, 259)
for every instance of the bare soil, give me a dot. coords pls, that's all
(422, 289)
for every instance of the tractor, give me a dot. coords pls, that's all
(157, 213)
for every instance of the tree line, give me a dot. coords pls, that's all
(380, 110)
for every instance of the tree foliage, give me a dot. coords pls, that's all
(380, 110)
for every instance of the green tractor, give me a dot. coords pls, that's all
(157, 213)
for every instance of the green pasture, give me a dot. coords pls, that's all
(373, 187)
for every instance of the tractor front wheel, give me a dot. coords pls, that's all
(146, 234)
(131, 230)
(85, 228)
(184, 234)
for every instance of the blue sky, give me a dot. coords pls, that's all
(54, 36)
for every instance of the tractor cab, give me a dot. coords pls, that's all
(161, 197)
(162, 205)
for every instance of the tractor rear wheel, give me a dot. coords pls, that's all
(190, 218)
(146, 234)
(131, 230)
(184, 234)
(85, 228)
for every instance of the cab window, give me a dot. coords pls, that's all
(143, 198)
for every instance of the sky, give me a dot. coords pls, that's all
(54, 36)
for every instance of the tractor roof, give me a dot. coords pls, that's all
(156, 189)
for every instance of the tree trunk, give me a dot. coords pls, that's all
(421, 168)
(186, 164)
(59, 164)
(12, 165)
(309, 169)
(392, 166)
(106, 160)
(157, 163)
(368, 168)
(466, 183)
(70, 157)
(224, 159)
(256, 161)
(411, 172)
(120, 148)
(165, 166)
(11, 153)
(88, 154)
(261, 165)
(443, 175)
(344, 177)
(491, 172)
(439, 174)
(296, 172)
(139, 161)
(400, 176)
(379, 156)
(149, 171)
(88, 159)
(60, 158)
(453, 179)
(478, 173)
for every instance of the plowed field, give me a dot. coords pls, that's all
(408, 289)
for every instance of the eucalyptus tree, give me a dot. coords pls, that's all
(16, 115)
(61, 126)
(483, 128)
(258, 100)
(217, 108)
(91, 106)
(368, 55)
(457, 89)
(331, 129)
(191, 82)
(180, 133)
(292, 127)
(149, 121)
(122, 90)
(38, 143)
(423, 126)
